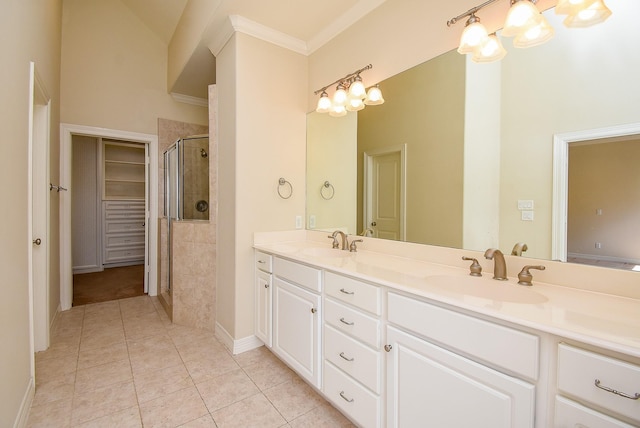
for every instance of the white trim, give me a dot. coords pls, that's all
(187, 99)
(344, 21)
(221, 37)
(367, 195)
(237, 346)
(561, 178)
(66, 132)
(25, 404)
(262, 32)
(604, 258)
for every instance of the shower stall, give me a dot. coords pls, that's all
(186, 188)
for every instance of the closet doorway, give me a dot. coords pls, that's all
(108, 226)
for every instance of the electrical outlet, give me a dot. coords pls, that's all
(599, 211)
(298, 222)
(527, 216)
(598, 245)
(312, 222)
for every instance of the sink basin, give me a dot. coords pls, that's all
(486, 288)
(325, 252)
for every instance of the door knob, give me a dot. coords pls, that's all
(37, 241)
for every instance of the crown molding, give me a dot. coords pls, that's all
(187, 99)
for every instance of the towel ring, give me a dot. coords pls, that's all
(282, 182)
(327, 185)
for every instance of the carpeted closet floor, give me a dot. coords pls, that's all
(110, 284)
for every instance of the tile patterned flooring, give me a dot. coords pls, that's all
(124, 364)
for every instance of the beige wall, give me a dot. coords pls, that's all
(431, 124)
(114, 70)
(29, 31)
(331, 155)
(532, 113)
(604, 177)
(262, 104)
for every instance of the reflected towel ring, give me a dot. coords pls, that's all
(282, 182)
(327, 185)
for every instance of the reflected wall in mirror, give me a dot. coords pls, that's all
(479, 136)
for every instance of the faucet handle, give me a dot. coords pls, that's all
(524, 277)
(352, 246)
(475, 268)
(335, 243)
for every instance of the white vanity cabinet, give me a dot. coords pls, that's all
(353, 363)
(596, 390)
(296, 317)
(431, 385)
(263, 297)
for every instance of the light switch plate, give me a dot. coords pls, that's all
(525, 204)
(527, 215)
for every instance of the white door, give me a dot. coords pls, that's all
(263, 307)
(38, 211)
(428, 386)
(296, 329)
(384, 193)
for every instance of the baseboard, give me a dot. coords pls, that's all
(25, 406)
(237, 346)
(604, 258)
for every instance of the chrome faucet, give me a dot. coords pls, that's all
(499, 265)
(343, 235)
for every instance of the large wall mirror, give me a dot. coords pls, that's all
(469, 147)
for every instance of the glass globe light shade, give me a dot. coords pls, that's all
(572, 7)
(324, 103)
(338, 111)
(490, 50)
(354, 104)
(534, 36)
(473, 35)
(340, 96)
(596, 13)
(357, 89)
(521, 16)
(374, 96)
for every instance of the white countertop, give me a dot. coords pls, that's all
(599, 319)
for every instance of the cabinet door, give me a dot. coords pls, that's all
(428, 386)
(296, 329)
(263, 307)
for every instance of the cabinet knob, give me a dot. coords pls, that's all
(266, 286)
(314, 310)
(388, 348)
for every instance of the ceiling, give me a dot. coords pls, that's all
(311, 21)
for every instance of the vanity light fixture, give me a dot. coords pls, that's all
(351, 95)
(525, 24)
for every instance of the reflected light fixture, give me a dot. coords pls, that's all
(351, 95)
(525, 24)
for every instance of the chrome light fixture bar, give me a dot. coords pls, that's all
(350, 95)
(525, 23)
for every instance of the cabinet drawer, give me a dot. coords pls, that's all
(123, 215)
(577, 373)
(570, 414)
(351, 321)
(494, 344)
(354, 358)
(356, 401)
(357, 293)
(121, 226)
(264, 261)
(303, 275)
(112, 241)
(121, 255)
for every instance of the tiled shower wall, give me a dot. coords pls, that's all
(192, 298)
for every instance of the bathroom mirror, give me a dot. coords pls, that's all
(478, 138)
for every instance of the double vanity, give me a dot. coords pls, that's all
(394, 337)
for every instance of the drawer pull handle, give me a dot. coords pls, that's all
(345, 357)
(342, 290)
(348, 400)
(342, 320)
(261, 261)
(613, 391)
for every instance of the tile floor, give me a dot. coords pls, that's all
(124, 364)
